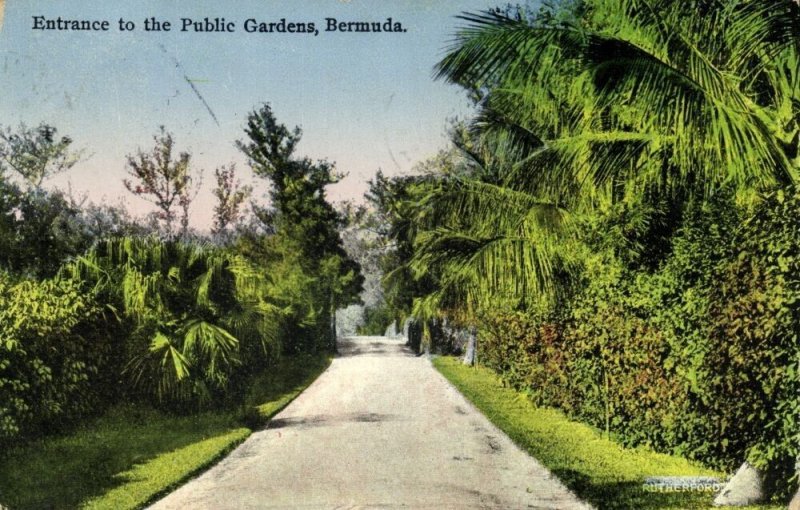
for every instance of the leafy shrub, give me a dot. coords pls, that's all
(376, 320)
(603, 364)
(616, 376)
(51, 355)
(528, 354)
(754, 360)
(699, 357)
(38, 231)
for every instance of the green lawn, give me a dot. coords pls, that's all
(597, 469)
(131, 455)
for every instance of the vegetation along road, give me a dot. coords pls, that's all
(381, 428)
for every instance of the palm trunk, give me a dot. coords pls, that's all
(333, 325)
(472, 347)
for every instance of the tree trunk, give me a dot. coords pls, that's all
(333, 326)
(414, 335)
(472, 347)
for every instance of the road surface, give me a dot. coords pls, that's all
(381, 428)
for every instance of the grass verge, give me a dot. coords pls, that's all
(598, 470)
(132, 455)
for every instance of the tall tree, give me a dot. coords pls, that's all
(391, 199)
(300, 213)
(230, 195)
(36, 154)
(163, 179)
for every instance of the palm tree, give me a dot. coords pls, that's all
(196, 313)
(483, 241)
(616, 101)
(627, 102)
(643, 92)
(620, 100)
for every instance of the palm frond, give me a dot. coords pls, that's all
(483, 242)
(215, 346)
(491, 44)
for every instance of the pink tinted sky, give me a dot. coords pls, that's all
(365, 101)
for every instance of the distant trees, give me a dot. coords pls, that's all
(39, 229)
(392, 200)
(178, 321)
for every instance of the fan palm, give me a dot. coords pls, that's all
(197, 310)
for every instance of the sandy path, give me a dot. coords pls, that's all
(379, 429)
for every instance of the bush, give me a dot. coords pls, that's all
(754, 359)
(51, 355)
(617, 378)
(603, 364)
(699, 356)
(196, 320)
(529, 354)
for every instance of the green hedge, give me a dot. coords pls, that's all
(754, 358)
(697, 357)
(51, 355)
(181, 326)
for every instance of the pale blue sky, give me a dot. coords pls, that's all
(365, 101)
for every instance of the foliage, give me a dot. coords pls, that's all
(39, 231)
(362, 241)
(230, 195)
(468, 238)
(52, 355)
(376, 320)
(527, 354)
(579, 115)
(35, 154)
(122, 316)
(305, 226)
(598, 227)
(754, 348)
(303, 330)
(391, 198)
(163, 179)
(299, 207)
(104, 221)
(588, 108)
(696, 358)
(633, 95)
(197, 317)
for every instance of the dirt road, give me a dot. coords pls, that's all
(379, 429)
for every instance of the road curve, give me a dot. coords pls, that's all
(381, 428)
